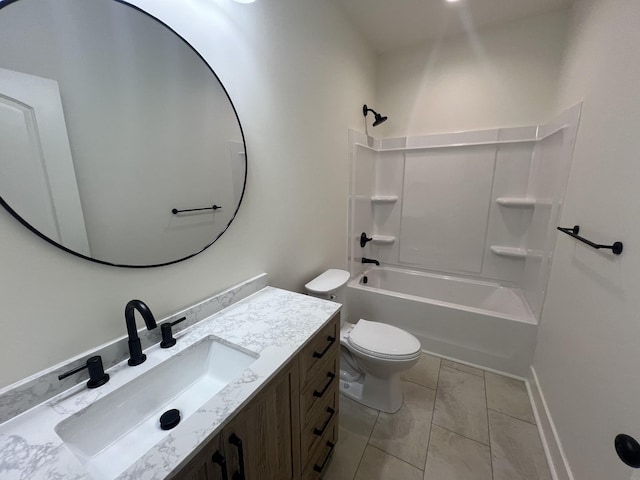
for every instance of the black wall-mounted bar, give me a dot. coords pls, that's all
(616, 248)
(175, 211)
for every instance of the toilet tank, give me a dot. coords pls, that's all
(331, 286)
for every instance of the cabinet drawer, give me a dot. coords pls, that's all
(323, 345)
(318, 462)
(318, 425)
(324, 385)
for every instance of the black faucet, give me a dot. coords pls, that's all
(135, 348)
(370, 260)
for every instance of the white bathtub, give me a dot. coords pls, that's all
(478, 322)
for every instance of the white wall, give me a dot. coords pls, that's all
(298, 76)
(587, 356)
(499, 77)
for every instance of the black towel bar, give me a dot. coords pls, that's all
(175, 211)
(616, 248)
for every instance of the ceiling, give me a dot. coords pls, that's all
(395, 24)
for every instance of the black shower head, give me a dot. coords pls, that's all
(378, 118)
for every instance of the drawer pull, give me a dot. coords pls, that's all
(319, 468)
(220, 460)
(321, 354)
(320, 431)
(236, 442)
(318, 394)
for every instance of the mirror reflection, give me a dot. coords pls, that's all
(109, 121)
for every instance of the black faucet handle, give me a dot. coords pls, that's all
(180, 320)
(167, 333)
(97, 377)
(364, 239)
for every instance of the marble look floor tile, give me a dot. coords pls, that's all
(425, 372)
(462, 367)
(346, 457)
(461, 404)
(508, 396)
(516, 449)
(405, 434)
(357, 418)
(454, 457)
(356, 424)
(378, 465)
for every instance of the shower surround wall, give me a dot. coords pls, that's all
(480, 204)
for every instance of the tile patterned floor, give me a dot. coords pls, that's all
(456, 423)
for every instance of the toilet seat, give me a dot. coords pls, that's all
(376, 355)
(383, 341)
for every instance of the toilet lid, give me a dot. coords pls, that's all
(383, 340)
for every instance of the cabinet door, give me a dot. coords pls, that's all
(209, 464)
(217, 465)
(196, 472)
(263, 441)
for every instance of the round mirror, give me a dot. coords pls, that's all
(118, 143)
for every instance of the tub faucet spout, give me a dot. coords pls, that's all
(370, 260)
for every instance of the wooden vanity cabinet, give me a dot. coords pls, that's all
(287, 432)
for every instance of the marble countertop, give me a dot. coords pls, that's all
(271, 323)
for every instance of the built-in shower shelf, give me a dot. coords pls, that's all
(517, 202)
(515, 252)
(384, 198)
(512, 252)
(383, 239)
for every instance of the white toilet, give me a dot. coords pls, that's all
(372, 354)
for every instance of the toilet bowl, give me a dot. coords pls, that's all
(372, 354)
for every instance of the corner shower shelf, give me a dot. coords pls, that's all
(383, 239)
(384, 198)
(512, 252)
(517, 202)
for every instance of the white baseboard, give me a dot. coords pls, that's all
(560, 469)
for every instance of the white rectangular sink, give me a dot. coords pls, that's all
(114, 432)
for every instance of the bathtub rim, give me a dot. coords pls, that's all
(354, 282)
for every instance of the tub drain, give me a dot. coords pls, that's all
(170, 419)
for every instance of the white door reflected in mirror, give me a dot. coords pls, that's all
(36, 171)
